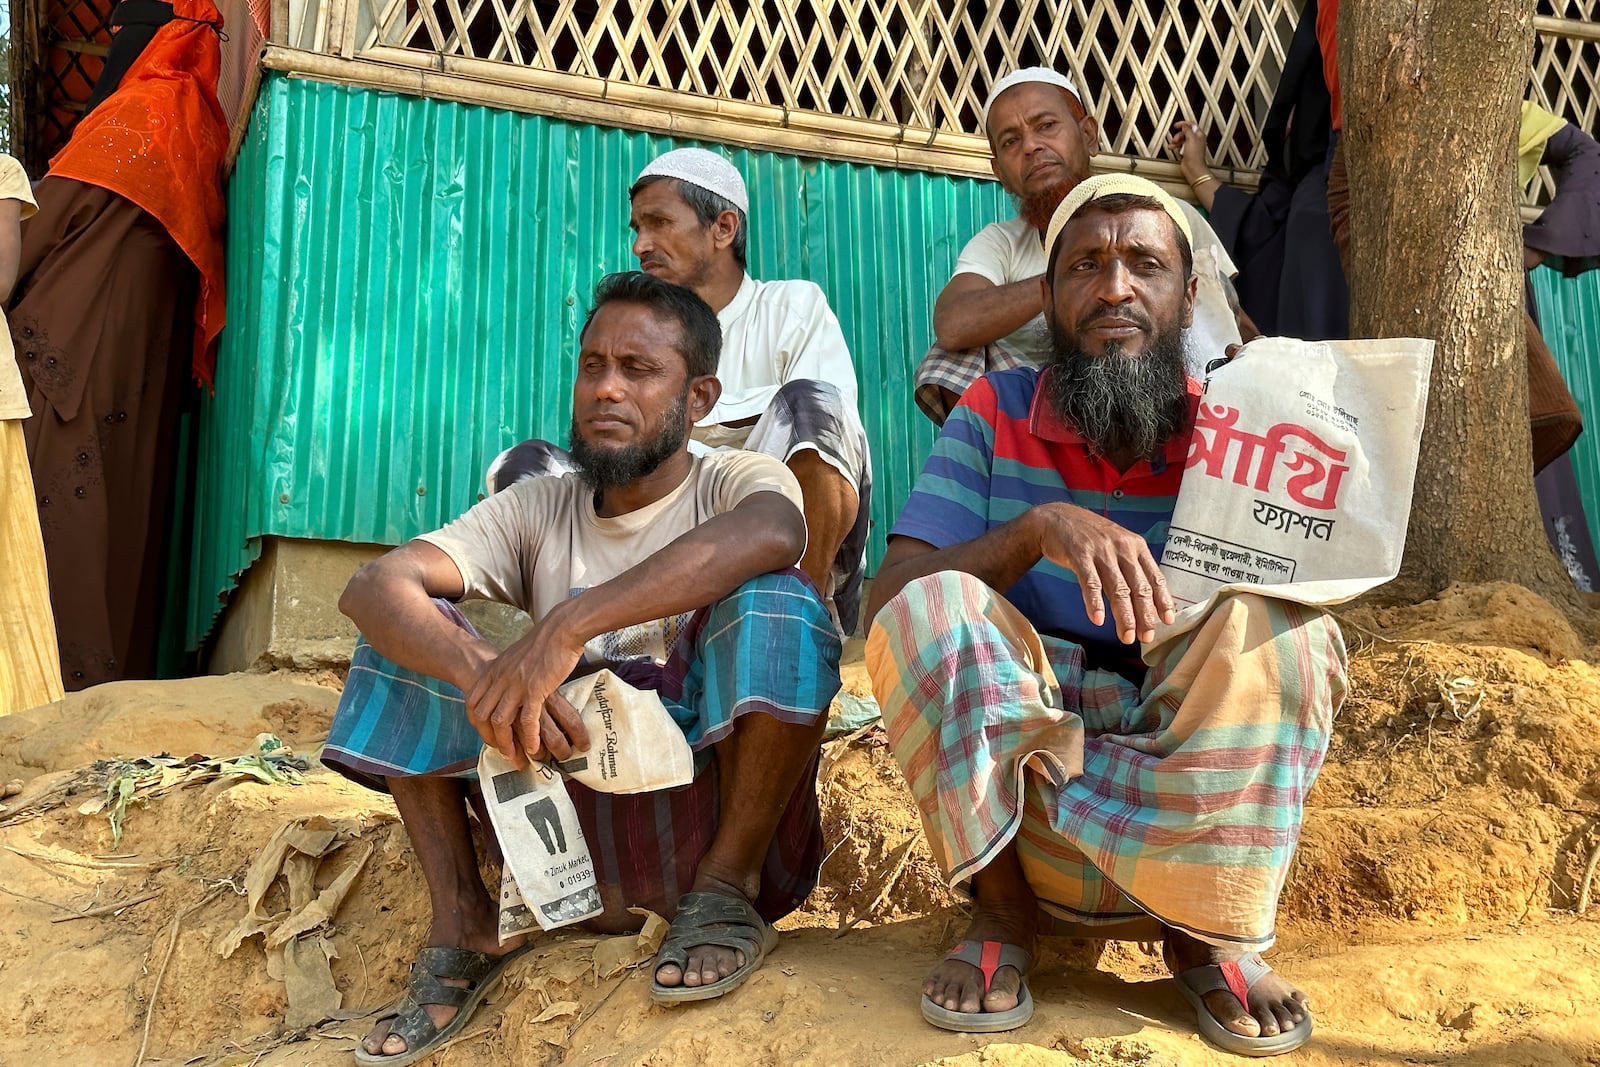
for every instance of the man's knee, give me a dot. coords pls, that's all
(803, 393)
(785, 594)
(1286, 616)
(530, 459)
(936, 592)
(775, 633)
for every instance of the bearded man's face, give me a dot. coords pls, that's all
(1118, 298)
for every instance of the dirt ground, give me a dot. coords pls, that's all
(1430, 914)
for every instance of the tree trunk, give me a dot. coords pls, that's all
(1431, 90)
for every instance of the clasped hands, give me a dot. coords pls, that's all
(515, 702)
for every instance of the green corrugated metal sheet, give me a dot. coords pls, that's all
(1569, 318)
(406, 278)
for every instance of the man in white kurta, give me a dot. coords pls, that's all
(788, 382)
(989, 316)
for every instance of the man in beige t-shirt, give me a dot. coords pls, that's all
(675, 571)
(788, 383)
(30, 666)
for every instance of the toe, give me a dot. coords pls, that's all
(393, 1045)
(971, 999)
(1004, 993)
(709, 970)
(669, 974)
(373, 1043)
(1227, 1010)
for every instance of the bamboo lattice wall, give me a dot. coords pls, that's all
(888, 81)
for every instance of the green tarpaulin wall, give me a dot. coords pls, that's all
(405, 282)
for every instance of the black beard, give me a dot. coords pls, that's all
(605, 468)
(1122, 406)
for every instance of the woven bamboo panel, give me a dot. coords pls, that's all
(1566, 75)
(919, 65)
(923, 68)
(1579, 10)
(59, 49)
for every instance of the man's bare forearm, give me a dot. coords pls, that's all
(968, 317)
(390, 603)
(764, 533)
(998, 558)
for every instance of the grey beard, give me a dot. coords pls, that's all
(1122, 406)
(612, 468)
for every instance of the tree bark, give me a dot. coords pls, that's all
(1431, 93)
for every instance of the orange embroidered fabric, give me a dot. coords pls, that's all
(159, 141)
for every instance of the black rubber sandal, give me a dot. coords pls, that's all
(412, 1023)
(712, 919)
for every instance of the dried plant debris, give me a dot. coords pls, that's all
(128, 781)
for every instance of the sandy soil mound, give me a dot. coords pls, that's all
(1428, 915)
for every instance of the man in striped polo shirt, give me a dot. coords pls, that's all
(1060, 776)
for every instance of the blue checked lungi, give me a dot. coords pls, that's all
(768, 647)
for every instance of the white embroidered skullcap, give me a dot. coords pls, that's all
(699, 167)
(1032, 74)
(1109, 185)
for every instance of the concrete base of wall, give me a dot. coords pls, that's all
(285, 612)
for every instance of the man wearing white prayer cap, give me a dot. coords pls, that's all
(788, 382)
(990, 316)
(1072, 781)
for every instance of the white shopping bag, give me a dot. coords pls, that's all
(634, 747)
(1299, 476)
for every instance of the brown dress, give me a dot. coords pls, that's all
(103, 323)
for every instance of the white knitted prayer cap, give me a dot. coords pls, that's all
(1106, 185)
(699, 167)
(1032, 74)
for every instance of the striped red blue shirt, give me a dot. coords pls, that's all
(1002, 451)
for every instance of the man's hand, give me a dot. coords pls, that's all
(1188, 145)
(1113, 566)
(515, 706)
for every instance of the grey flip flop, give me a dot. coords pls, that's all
(712, 919)
(988, 957)
(1237, 977)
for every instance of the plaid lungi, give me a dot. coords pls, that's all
(957, 369)
(768, 647)
(1180, 798)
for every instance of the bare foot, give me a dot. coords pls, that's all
(958, 986)
(380, 1042)
(1275, 1005)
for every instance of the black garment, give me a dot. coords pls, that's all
(137, 22)
(1290, 282)
(1568, 230)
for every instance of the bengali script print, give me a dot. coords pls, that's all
(1285, 520)
(1315, 472)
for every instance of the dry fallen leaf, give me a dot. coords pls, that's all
(557, 1010)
